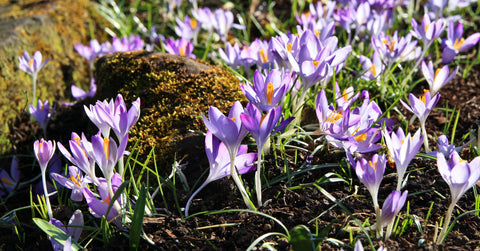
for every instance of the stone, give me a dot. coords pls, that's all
(175, 91)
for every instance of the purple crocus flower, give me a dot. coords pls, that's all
(219, 160)
(421, 106)
(205, 17)
(73, 230)
(44, 151)
(402, 148)
(392, 206)
(427, 31)
(438, 79)
(373, 68)
(76, 182)
(31, 65)
(122, 120)
(444, 147)
(99, 206)
(181, 47)
(188, 28)
(106, 153)
(267, 91)
(229, 130)
(90, 52)
(455, 43)
(231, 55)
(393, 49)
(458, 173)
(261, 54)
(370, 173)
(79, 94)
(8, 182)
(130, 43)
(222, 22)
(460, 176)
(42, 113)
(344, 98)
(260, 126)
(81, 156)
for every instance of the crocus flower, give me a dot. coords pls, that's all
(222, 22)
(393, 49)
(79, 94)
(99, 206)
(31, 65)
(437, 79)
(42, 113)
(370, 173)
(231, 55)
(428, 30)
(8, 182)
(90, 52)
(460, 176)
(188, 28)
(130, 43)
(81, 156)
(261, 54)
(205, 17)
(373, 68)
(402, 148)
(219, 160)
(44, 151)
(76, 182)
(421, 106)
(100, 115)
(267, 91)
(455, 43)
(392, 205)
(231, 131)
(106, 153)
(444, 147)
(180, 47)
(73, 229)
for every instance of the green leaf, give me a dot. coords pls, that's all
(56, 233)
(301, 238)
(116, 195)
(137, 221)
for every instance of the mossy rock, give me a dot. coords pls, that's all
(174, 92)
(51, 27)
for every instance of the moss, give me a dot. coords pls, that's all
(51, 27)
(174, 93)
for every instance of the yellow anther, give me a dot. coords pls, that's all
(75, 180)
(182, 50)
(373, 70)
(373, 165)
(193, 23)
(106, 144)
(315, 62)
(334, 117)
(289, 47)
(263, 55)
(361, 137)
(269, 93)
(6, 181)
(436, 73)
(458, 43)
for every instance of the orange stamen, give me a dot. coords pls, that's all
(458, 43)
(7, 181)
(30, 62)
(315, 62)
(374, 165)
(436, 73)
(345, 95)
(373, 70)
(289, 47)
(334, 117)
(269, 93)
(423, 98)
(106, 200)
(193, 23)
(233, 119)
(106, 144)
(263, 55)
(74, 180)
(361, 137)
(182, 50)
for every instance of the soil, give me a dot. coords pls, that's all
(293, 203)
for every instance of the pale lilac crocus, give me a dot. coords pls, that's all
(370, 173)
(188, 28)
(100, 115)
(231, 132)
(392, 206)
(219, 161)
(372, 68)
(222, 22)
(32, 65)
(267, 90)
(231, 55)
(42, 113)
(444, 147)
(8, 182)
(122, 120)
(427, 31)
(99, 206)
(181, 47)
(437, 79)
(205, 17)
(81, 156)
(44, 151)
(90, 52)
(455, 43)
(75, 182)
(422, 107)
(73, 230)
(260, 127)
(460, 177)
(402, 148)
(79, 94)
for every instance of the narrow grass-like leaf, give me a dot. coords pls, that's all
(301, 238)
(117, 195)
(54, 232)
(137, 221)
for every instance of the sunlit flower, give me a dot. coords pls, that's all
(392, 206)
(455, 43)
(74, 181)
(437, 79)
(181, 46)
(219, 160)
(79, 94)
(99, 206)
(31, 65)
(370, 173)
(428, 30)
(42, 113)
(421, 106)
(73, 230)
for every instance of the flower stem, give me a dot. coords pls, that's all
(448, 217)
(47, 196)
(34, 98)
(425, 139)
(238, 182)
(258, 180)
(378, 213)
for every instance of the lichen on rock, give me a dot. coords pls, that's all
(174, 93)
